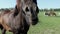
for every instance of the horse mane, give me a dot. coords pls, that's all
(16, 11)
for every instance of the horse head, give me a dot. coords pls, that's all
(29, 9)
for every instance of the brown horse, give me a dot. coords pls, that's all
(50, 13)
(19, 20)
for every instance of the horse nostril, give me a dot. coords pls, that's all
(27, 9)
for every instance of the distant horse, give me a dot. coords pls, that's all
(50, 13)
(19, 20)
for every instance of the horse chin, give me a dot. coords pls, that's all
(34, 22)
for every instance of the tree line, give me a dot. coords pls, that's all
(57, 9)
(2, 9)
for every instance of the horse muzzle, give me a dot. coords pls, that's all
(34, 21)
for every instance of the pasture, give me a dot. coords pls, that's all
(46, 25)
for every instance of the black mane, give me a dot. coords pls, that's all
(16, 11)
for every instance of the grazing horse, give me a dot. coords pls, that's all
(19, 20)
(51, 13)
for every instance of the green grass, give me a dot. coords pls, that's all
(46, 25)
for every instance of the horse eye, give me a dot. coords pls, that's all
(26, 9)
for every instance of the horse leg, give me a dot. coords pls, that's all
(1, 27)
(3, 31)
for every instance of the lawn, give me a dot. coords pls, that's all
(46, 25)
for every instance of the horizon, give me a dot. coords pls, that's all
(42, 4)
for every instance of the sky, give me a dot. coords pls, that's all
(41, 4)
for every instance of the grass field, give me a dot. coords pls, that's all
(46, 25)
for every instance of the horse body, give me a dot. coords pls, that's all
(13, 24)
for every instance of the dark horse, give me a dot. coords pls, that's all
(19, 20)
